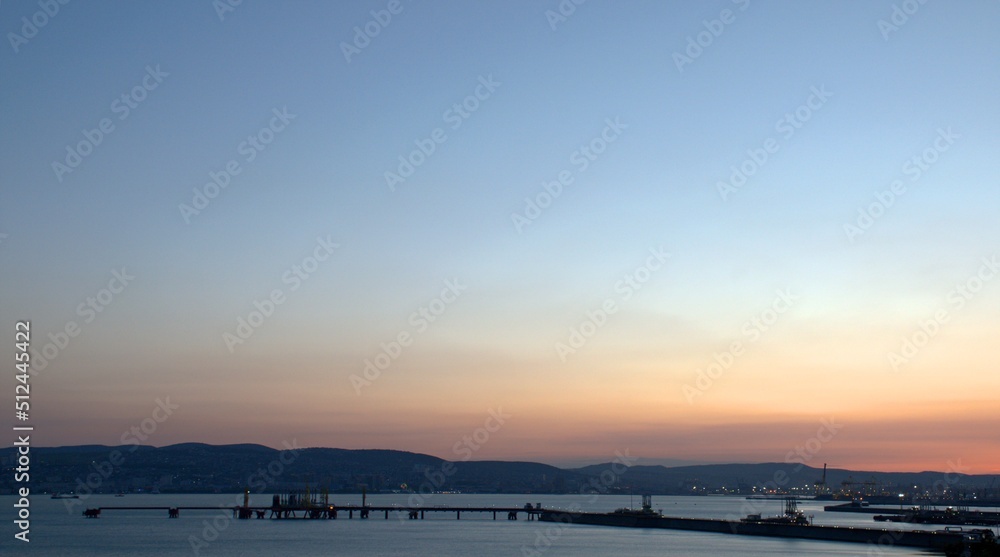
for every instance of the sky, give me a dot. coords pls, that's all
(691, 232)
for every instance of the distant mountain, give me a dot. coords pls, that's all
(196, 467)
(200, 468)
(710, 477)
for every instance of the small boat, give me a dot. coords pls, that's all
(119, 495)
(65, 496)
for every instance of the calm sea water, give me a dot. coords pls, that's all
(57, 532)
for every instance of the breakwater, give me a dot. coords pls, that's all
(936, 540)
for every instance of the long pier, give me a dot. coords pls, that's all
(331, 511)
(316, 505)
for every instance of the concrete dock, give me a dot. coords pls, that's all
(944, 541)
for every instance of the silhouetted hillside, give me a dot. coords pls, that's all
(200, 468)
(743, 477)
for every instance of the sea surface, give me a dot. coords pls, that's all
(58, 529)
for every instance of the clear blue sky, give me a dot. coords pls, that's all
(219, 80)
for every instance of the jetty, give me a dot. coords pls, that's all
(331, 511)
(318, 506)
